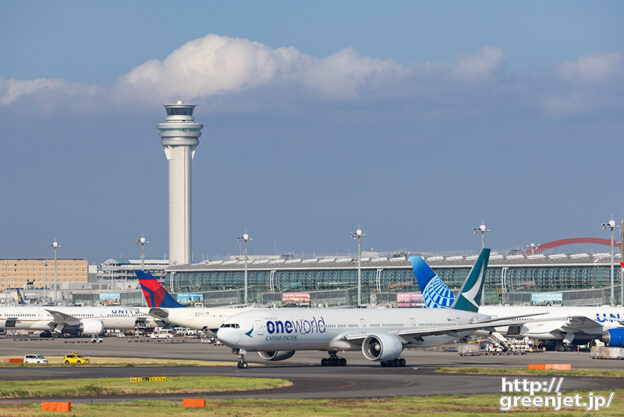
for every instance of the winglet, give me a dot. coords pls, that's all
(155, 294)
(471, 294)
(435, 292)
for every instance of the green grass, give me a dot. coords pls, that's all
(106, 361)
(612, 373)
(123, 386)
(438, 406)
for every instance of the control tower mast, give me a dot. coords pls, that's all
(179, 136)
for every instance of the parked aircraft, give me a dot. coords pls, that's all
(559, 327)
(380, 333)
(165, 307)
(70, 320)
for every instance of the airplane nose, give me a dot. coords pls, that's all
(226, 336)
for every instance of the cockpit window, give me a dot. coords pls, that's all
(230, 325)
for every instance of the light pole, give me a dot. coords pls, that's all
(55, 245)
(245, 237)
(358, 235)
(481, 229)
(611, 225)
(533, 248)
(142, 241)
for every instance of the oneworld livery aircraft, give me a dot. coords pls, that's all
(165, 307)
(559, 327)
(380, 333)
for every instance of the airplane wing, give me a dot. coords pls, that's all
(455, 330)
(158, 313)
(517, 316)
(63, 318)
(576, 324)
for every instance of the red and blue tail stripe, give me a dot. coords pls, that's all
(155, 294)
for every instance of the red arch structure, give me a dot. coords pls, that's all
(572, 241)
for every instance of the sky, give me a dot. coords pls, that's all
(415, 121)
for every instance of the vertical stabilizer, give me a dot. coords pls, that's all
(435, 292)
(471, 294)
(155, 294)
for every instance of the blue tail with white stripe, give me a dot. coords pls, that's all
(435, 292)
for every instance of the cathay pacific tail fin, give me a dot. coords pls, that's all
(471, 294)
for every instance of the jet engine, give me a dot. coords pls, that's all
(276, 355)
(91, 327)
(614, 337)
(382, 347)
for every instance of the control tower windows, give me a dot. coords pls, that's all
(179, 111)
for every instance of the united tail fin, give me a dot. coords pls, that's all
(20, 298)
(155, 294)
(471, 294)
(435, 292)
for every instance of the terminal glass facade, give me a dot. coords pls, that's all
(504, 279)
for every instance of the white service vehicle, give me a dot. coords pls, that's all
(34, 358)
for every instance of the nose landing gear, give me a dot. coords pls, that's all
(242, 363)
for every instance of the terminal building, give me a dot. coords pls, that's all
(519, 279)
(40, 272)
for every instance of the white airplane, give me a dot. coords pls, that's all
(380, 333)
(72, 320)
(164, 307)
(559, 327)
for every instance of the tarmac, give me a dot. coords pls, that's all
(360, 378)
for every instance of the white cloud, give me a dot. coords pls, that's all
(12, 90)
(215, 65)
(564, 105)
(282, 77)
(219, 65)
(480, 66)
(593, 68)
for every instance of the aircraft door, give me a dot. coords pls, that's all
(259, 327)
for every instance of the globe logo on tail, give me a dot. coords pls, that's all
(437, 294)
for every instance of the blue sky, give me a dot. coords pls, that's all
(415, 120)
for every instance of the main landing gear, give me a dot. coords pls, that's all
(395, 363)
(242, 363)
(333, 360)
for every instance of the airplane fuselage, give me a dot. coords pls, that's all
(39, 318)
(331, 329)
(555, 323)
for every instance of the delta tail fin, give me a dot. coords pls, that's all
(471, 294)
(435, 292)
(155, 294)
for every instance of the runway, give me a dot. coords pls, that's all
(361, 378)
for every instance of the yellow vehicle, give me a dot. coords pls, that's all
(75, 358)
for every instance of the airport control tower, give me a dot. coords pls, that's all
(179, 136)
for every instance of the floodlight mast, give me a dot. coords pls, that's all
(55, 245)
(245, 237)
(611, 226)
(533, 247)
(142, 241)
(358, 235)
(482, 228)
